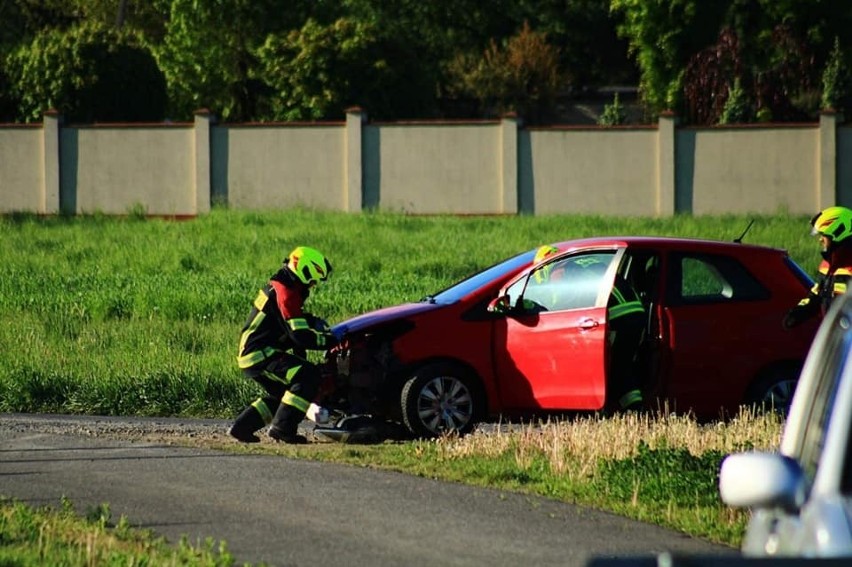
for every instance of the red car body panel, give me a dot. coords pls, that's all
(552, 363)
(706, 351)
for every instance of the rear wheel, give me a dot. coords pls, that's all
(440, 398)
(774, 392)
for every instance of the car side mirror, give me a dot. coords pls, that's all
(762, 480)
(499, 304)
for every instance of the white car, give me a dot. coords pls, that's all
(801, 496)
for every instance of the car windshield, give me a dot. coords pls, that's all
(470, 284)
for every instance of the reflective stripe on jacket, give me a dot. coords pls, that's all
(277, 323)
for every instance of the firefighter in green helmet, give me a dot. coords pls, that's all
(833, 227)
(273, 346)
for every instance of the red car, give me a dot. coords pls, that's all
(478, 349)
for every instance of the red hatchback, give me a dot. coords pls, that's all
(501, 342)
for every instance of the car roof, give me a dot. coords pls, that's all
(665, 242)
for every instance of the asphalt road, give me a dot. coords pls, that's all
(285, 512)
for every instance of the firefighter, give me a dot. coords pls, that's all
(833, 227)
(273, 346)
(625, 330)
(626, 333)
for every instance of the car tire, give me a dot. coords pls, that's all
(774, 392)
(438, 399)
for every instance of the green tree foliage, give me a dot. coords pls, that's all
(413, 41)
(613, 113)
(207, 54)
(147, 17)
(776, 75)
(219, 53)
(89, 73)
(775, 48)
(521, 76)
(20, 20)
(662, 35)
(591, 52)
(835, 81)
(737, 108)
(318, 71)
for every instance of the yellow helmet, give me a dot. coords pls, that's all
(834, 223)
(540, 254)
(309, 265)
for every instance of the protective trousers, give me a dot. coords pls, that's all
(291, 383)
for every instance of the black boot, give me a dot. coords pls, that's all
(246, 424)
(285, 425)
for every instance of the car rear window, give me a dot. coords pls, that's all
(710, 278)
(801, 275)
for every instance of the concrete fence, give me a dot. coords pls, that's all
(465, 167)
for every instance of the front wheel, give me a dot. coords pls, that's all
(440, 398)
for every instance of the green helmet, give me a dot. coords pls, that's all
(834, 223)
(309, 265)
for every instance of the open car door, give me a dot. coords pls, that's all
(550, 349)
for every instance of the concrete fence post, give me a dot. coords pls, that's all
(666, 164)
(826, 182)
(353, 174)
(202, 186)
(49, 203)
(509, 164)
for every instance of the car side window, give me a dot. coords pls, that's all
(817, 426)
(709, 278)
(572, 282)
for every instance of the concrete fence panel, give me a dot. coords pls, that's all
(749, 169)
(590, 171)
(118, 169)
(434, 168)
(279, 166)
(22, 169)
(425, 167)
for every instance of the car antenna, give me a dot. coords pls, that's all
(740, 239)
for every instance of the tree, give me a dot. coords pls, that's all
(522, 75)
(208, 53)
(591, 52)
(663, 35)
(835, 81)
(708, 78)
(781, 45)
(89, 73)
(414, 39)
(319, 71)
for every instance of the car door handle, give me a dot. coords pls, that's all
(587, 324)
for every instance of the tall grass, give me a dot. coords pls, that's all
(51, 536)
(131, 316)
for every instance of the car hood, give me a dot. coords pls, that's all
(384, 315)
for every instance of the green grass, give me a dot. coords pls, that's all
(122, 316)
(35, 537)
(103, 315)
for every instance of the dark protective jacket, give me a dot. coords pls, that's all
(834, 274)
(277, 323)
